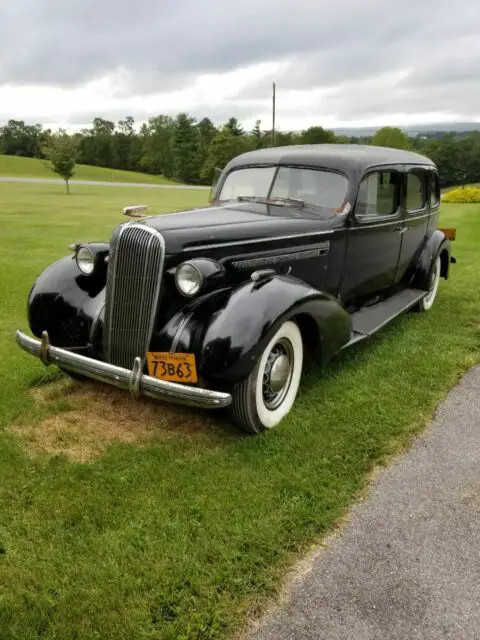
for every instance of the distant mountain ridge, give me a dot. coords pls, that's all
(411, 130)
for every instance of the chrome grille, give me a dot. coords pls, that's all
(133, 287)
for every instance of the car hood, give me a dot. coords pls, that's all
(237, 223)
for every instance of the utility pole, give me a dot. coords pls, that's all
(273, 116)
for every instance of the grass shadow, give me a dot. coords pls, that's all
(81, 419)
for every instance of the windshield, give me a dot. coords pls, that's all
(311, 186)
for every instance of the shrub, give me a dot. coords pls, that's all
(462, 194)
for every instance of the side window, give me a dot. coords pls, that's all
(434, 190)
(416, 190)
(378, 195)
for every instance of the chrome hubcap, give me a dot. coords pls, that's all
(278, 374)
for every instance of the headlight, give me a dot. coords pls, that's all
(85, 260)
(188, 279)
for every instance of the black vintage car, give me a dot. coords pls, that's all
(304, 249)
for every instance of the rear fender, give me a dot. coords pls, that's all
(437, 244)
(228, 329)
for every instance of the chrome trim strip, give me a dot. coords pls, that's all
(413, 216)
(396, 220)
(98, 313)
(124, 378)
(365, 225)
(251, 263)
(179, 331)
(257, 240)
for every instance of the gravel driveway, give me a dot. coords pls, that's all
(407, 565)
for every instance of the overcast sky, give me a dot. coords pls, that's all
(335, 62)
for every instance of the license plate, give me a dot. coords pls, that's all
(173, 367)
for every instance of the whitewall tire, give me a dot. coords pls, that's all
(426, 303)
(262, 400)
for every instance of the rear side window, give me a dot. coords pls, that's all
(378, 195)
(434, 190)
(416, 190)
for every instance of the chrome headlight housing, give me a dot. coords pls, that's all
(91, 257)
(85, 259)
(189, 279)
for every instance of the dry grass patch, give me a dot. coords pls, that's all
(93, 416)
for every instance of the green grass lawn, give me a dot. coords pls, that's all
(188, 532)
(13, 166)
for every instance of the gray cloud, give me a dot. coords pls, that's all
(352, 49)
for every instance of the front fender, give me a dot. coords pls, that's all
(436, 244)
(65, 303)
(228, 329)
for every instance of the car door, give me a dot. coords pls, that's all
(416, 217)
(374, 236)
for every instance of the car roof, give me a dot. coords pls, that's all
(347, 157)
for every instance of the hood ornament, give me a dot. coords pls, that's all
(133, 210)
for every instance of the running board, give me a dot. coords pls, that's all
(370, 319)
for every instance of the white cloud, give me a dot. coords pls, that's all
(336, 64)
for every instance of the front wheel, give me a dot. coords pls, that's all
(426, 303)
(263, 399)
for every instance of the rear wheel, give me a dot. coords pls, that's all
(426, 303)
(262, 400)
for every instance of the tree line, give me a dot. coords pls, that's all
(189, 150)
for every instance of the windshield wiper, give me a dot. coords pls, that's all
(282, 202)
(293, 202)
(250, 199)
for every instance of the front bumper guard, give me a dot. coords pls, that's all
(132, 380)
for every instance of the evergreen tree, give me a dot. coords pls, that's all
(256, 134)
(186, 149)
(234, 127)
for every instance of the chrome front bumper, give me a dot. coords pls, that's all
(133, 380)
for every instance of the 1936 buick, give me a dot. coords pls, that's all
(303, 249)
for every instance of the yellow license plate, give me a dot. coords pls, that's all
(173, 367)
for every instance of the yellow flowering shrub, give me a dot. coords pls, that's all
(462, 194)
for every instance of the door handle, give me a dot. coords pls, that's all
(401, 229)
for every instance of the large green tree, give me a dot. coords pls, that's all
(187, 157)
(447, 154)
(223, 147)
(316, 135)
(391, 137)
(207, 131)
(234, 127)
(20, 139)
(156, 139)
(125, 145)
(97, 144)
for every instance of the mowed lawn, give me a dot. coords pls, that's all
(13, 166)
(187, 533)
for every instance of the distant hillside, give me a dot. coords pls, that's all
(412, 130)
(33, 168)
